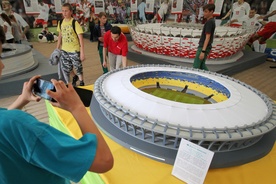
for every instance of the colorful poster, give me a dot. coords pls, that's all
(177, 6)
(133, 6)
(31, 6)
(149, 6)
(99, 6)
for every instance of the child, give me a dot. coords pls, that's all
(72, 47)
(17, 32)
(8, 29)
(206, 39)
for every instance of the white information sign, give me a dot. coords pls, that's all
(99, 6)
(192, 162)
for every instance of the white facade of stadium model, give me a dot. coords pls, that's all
(243, 108)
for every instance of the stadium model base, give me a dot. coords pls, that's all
(18, 59)
(238, 124)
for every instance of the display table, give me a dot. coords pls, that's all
(132, 168)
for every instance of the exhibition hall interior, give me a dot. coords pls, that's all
(182, 91)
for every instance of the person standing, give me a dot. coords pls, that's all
(162, 12)
(240, 8)
(206, 39)
(39, 153)
(142, 9)
(72, 46)
(16, 30)
(7, 8)
(100, 29)
(251, 20)
(115, 44)
(258, 40)
(8, 29)
(43, 16)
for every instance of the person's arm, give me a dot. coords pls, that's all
(68, 99)
(124, 52)
(104, 57)
(105, 50)
(206, 41)
(124, 61)
(268, 15)
(247, 9)
(5, 28)
(82, 56)
(232, 21)
(227, 15)
(12, 29)
(26, 29)
(59, 41)
(26, 95)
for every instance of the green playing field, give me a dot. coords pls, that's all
(175, 96)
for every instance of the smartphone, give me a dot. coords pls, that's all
(40, 87)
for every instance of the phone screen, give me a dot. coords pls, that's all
(40, 88)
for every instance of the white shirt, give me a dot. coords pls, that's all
(20, 20)
(272, 7)
(8, 34)
(110, 9)
(43, 12)
(239, 10)
(250, 22)
(163, 9)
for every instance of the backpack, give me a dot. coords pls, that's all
(73, 25)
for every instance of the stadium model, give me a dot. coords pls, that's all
(236, 118)
(181, 39)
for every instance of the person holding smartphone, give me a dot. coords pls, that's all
(34, 152)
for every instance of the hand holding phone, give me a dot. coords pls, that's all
(41, 86)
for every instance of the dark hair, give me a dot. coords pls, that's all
(12, 17)
(115, 30)
(253, 8)
(6, 18)
(68, 5)
(210, 7)
(101, 14)
(2, 35)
